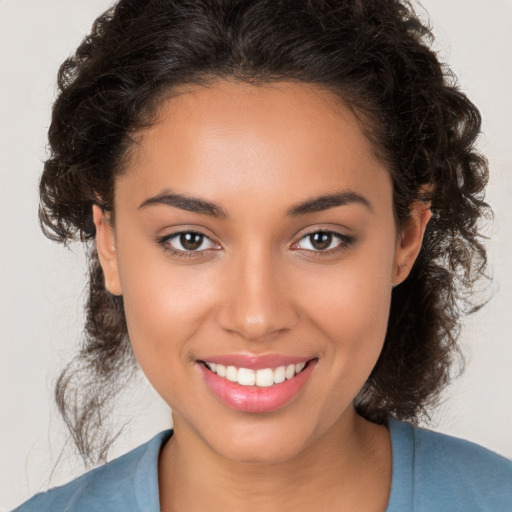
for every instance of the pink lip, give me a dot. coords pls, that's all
(253, 398)
(254, 362)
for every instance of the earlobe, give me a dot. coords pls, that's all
(410, 240)
(105, 245)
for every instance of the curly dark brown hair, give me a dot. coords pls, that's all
(375, 55)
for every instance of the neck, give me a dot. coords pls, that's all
(349, 467)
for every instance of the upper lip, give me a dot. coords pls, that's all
(255, 362)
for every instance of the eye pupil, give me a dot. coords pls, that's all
(320, 240)
(191, 241)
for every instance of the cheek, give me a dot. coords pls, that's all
(358, 289)
(165, 306)
(350, 305)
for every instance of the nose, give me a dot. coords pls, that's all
(257, 303)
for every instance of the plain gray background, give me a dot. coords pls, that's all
(41, 284)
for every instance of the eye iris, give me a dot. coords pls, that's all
(321, 240)
(191, 241)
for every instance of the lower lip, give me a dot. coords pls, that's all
(255, 398)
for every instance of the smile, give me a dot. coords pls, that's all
(270, 384)
(263, 378)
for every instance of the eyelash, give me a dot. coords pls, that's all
(165, 243)
(344, 243)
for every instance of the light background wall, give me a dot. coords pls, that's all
(41, 284)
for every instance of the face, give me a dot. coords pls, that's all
(255, 248)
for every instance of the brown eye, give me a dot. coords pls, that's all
(324, 242)
(191, 241)
(187, 242)
(321, 240)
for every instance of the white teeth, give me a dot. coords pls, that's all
(212, 366)
(264, 377)
(279, 375)
(290, 371)
(232, 373)
(246, 377)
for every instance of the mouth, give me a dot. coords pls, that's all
(263, 378)
(258, 389)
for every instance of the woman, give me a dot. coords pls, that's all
(281, 202)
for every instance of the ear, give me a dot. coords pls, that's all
(105, 244)
(409, 240)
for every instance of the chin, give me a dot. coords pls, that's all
(262, 442)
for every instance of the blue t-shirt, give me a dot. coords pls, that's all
(431, 473)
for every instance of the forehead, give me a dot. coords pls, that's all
(230, 137)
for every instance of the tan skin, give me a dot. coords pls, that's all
(258, 283)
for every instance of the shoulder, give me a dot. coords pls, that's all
(436, 450)
(447, 470)
(128, 483)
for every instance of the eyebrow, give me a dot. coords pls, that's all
(190, 204)
(325, 202)
(204, 207)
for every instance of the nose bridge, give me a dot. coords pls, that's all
(255, 301)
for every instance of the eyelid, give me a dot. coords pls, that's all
(205, 238)
(165, 242)
(345, 241)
